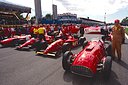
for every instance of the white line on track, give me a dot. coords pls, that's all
(126, 35)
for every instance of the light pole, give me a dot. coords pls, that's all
(105, 18)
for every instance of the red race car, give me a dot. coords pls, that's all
(30, 43)
(15, 40)
(62, 45)
(94, 57)
(93, 30)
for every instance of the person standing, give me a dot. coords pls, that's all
(41, 32)
(118, 35)
(35, 31)
(81, 30)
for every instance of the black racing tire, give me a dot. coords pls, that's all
(66, 47)
(102, 31)
(32, 46)
(58, 54)
(107, 65)
(39, 45)
(21, 41)
(66, 60)
(84, 44)
(14, 43)
(3, 45)
(103, 38)
(109, 48)
(44, 45)
(76, 36)
(81, 40)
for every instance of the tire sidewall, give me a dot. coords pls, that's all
(65, 63)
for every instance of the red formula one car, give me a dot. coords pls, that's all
(15, 40)
(30, 43)
(62, 45)
(92, 30)
(94, 57)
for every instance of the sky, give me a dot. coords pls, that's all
(94, 9)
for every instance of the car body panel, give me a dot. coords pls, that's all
(7, 41)
(29, 42)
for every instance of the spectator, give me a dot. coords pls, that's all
(81, 30)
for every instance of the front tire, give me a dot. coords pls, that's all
(107, 64)
(66, 60)
(81, 40)
(109, 49)
(84, 44)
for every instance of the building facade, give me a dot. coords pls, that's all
(90, 22)
(67, 18)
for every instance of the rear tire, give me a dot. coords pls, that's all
(66, 47)
(107, 64)
(14, 43)
(39, 45)
(66, 60)
(81, 40)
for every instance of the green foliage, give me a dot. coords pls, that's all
(48, 16)
(125, 21)
(126, 30)
(33, 17)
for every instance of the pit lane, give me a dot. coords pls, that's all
(25, 68)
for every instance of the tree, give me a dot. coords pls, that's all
(33, 17)
(48, 16)
(125, 21)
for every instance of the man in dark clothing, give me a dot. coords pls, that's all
(81, 30)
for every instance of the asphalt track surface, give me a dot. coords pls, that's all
(25, 68)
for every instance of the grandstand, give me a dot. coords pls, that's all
(10, 14)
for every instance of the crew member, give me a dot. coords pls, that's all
(118, 35)
(41, 31)
(35, 31)
(81, 30)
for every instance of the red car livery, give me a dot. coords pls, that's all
(94, 57)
